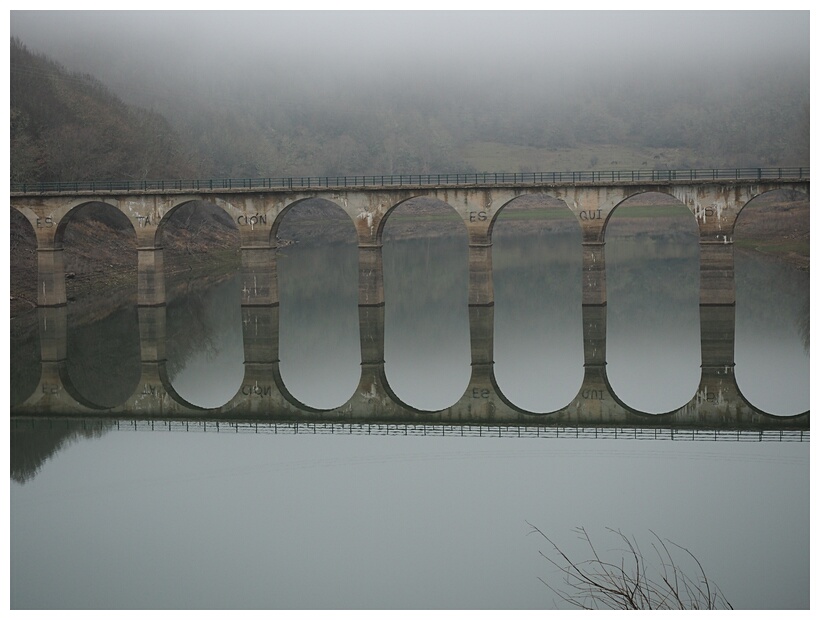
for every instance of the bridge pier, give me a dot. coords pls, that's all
(152, 333)
(480, 291)
(371, 274)
(717, 394)
(373, 397)
(53, 324)
(50, 275)
(595, 397)
(481, 391)
(717, 272)
(259, 280)
(594, 329)
(260, 334)
(593, 270)
(150, 276)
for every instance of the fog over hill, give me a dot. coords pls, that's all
(315, 93)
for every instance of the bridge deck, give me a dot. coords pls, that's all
(427, 181)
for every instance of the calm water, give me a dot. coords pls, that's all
(141, 519)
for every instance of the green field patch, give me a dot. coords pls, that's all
(498, 157)
(652, 211)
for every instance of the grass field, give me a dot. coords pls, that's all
(497, 157)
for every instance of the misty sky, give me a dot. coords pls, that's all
(332, 48)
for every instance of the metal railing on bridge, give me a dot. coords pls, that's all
(415, 429)
(418, 180)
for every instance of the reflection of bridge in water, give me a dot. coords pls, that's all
(93, 427)
(262, 396)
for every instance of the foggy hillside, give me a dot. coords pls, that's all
(244, 94)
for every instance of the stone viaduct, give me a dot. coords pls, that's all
(715, 205)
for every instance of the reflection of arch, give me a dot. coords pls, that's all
(103, 355)
(290, 398)
(761, 412)
(68, 385)
(172, 394)
(25, 352)
(396, 400)
(520, 410)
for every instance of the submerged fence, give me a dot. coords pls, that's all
(418, 180)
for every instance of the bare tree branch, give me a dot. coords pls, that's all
(631, 582)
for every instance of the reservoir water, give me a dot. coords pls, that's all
(117, 515)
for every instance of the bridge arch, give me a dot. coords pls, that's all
(557, 204)
(653, 195)
(212, 204)
(418, 202)
(96, 240)
(790, 195)
(63, 216)
(306, 202)
(26, 212)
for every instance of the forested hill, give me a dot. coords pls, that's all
(72, 126)
(69, 126)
